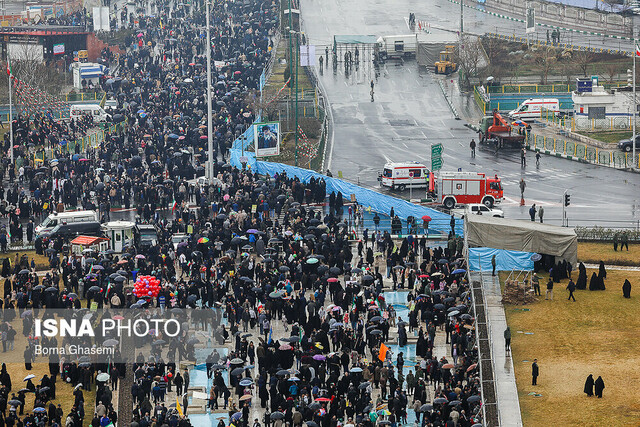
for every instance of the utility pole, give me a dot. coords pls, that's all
(209, 170)
(635, 102)
(290, 51)
(461, 17)
(12, 165)
(297, 66)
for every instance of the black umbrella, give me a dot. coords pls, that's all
(276, 416)
(283, 269)
(238, 371)
(439, 306)
(334, 270)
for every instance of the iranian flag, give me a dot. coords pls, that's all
(174, 206)
(637, 50)
(10, 70)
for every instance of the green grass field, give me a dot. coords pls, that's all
(596, 335)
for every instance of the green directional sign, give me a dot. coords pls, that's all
(436, 156)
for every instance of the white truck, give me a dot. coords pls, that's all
(402, 46)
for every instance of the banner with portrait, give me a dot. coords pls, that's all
(266, 139)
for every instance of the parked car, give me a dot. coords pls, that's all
(625, 144)
(478, 209)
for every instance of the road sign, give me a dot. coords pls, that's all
(531, 20)
(436, 156)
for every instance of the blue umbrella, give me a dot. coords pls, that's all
(536, 257)
(246, 383)
(355, 370)
(458, 271)
(39, 409)
(173, 136)
(236, 416)
(140, 111)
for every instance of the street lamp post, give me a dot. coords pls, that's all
(297, 66)
(209, 170)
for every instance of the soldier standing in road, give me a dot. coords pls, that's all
(523, 185)
(472, 145)
(535, 371)
(541, 214)
(532, 212)
(523, 157)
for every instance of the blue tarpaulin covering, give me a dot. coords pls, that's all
(380, 203)
(480, 259)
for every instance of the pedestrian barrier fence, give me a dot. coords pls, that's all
(584, 123)
(582, 152)
(572, 30)
(482, 104)
(565, 46)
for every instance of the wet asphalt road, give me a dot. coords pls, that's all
(410, 113)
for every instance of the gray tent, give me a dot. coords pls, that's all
(520, 235)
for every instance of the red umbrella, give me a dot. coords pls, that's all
(447, 366)
(423, 276)
(472, 367)
(323, 399)
(426, 218)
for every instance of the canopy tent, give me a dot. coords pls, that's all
(355, 39)
(520, 235)
(430, 45)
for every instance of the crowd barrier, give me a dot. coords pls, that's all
(377, 202)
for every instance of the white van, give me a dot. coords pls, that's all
(65, 217)
(531, 108)
(399, 176)
(403, 46)
(98, 113)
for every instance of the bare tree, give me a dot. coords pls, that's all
(468, 56)
(583, 59)
(611, 69)
(545, 58)
(28, 66)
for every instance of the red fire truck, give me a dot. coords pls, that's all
(455, 188)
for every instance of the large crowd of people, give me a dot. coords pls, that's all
(301, 308)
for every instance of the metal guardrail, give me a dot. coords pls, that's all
(564, 46)
(582, 152)
(482, 360)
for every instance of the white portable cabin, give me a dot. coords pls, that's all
(120, 234)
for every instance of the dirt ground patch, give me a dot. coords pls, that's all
(595, 335)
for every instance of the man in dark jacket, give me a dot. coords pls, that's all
(571, 287)
(535, 371)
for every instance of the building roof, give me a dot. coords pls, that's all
(88, 240)
(355, 39)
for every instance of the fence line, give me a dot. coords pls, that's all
(582, 152)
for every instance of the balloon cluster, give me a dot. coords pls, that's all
(146, 286)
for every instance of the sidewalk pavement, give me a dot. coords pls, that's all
(505, 381)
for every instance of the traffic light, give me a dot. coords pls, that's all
(629, 77)
(567, 199)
